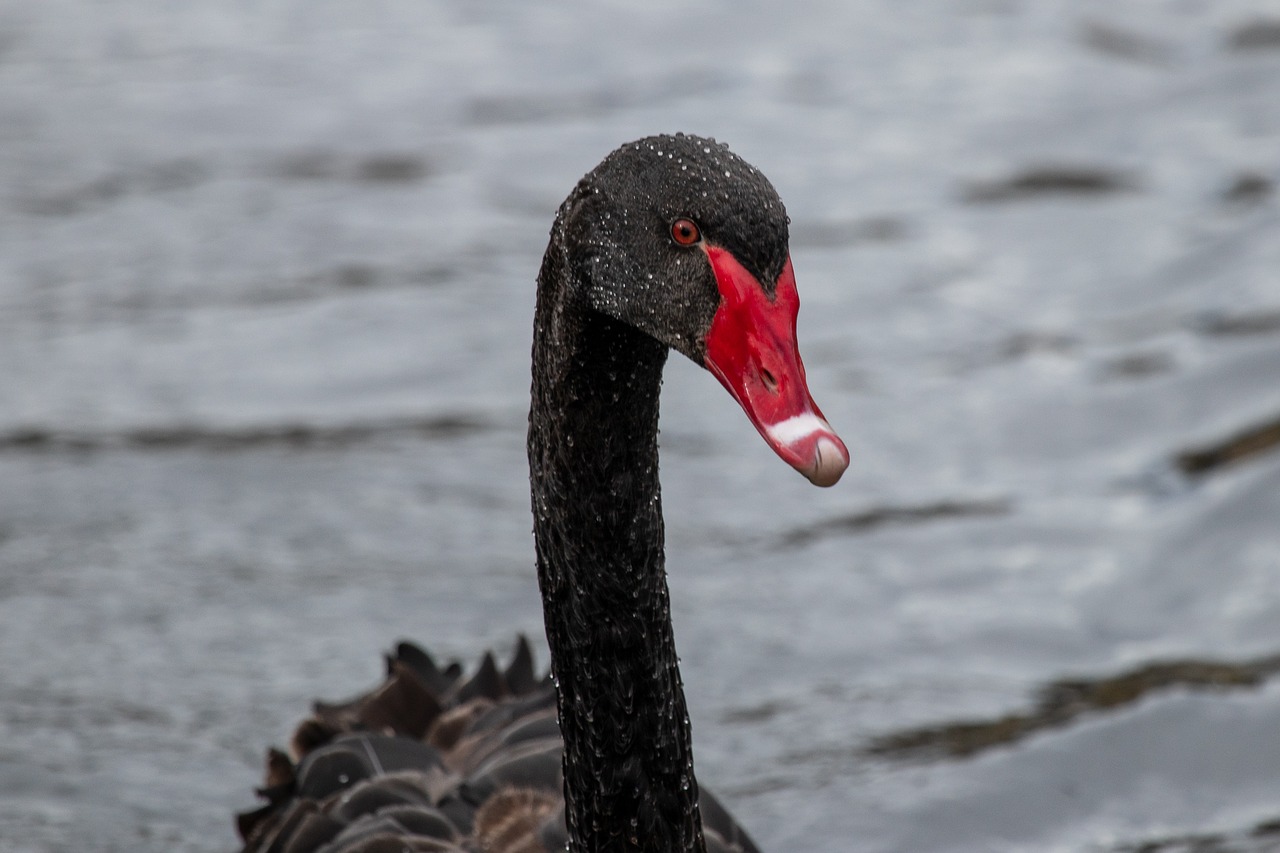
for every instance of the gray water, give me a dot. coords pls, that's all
(265, 297)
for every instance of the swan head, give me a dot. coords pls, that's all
(687, 242)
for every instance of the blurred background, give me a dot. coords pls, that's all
(266, 280)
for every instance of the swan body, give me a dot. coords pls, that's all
(671, 243)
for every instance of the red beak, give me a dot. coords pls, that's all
(751, 348)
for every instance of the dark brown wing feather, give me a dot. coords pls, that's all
(434, 762)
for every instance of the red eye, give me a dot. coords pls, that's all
(685, 232)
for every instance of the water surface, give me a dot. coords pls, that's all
(265, 297)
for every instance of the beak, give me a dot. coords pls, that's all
(751, 348)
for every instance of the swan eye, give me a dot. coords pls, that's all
(685, 232)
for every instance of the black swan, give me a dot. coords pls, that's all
(672, 242)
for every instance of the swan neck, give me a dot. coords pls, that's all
(593, 426)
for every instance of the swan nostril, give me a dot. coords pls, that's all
(770, 384)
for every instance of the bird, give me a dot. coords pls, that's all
(672, 242)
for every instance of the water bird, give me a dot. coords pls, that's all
(670, 243)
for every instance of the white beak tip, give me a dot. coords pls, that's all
(829, 462)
